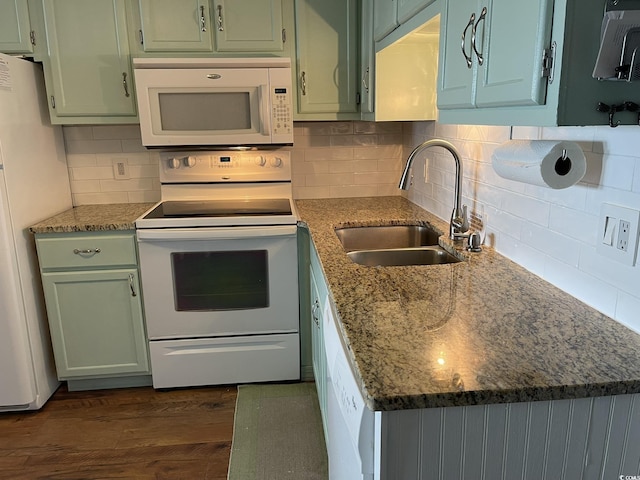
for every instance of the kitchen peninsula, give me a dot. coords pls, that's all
(478, 350)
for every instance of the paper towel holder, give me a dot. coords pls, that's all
(563, 164)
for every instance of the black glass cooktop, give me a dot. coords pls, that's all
(221, 208)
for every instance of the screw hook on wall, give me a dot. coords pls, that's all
(611, 109)
(633, 107)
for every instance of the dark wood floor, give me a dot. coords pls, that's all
(135, 433)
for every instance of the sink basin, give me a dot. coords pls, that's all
(387, 236)
(402, 256)
(393, 245)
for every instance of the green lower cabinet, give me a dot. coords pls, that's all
(96, 322)
(94, 305)
(318, 298)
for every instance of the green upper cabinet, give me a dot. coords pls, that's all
(248, 25)
(501, 62)
(327, 58)
(389, 14)
(534, 72)
(408, 8)
(175, 26)
(385, 17)
(15, 27)
(367, 60)
(88, 70)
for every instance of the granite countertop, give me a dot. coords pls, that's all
(93, 218)
(481, 331)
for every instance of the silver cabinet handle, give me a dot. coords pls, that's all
(203, 23)
(86, 251)
(472, 20)
(303, 83)
(365, 80)
(220, 25)
(131, 285)
(124, 84)
(314, 310)
(481, 18)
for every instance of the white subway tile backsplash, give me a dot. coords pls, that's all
(592, 290)
(81, 160)
(529, 208)
(100, 198)
(93, 146)
(617, 172)
(552, 233)
(574, 223)
(624, 277)
(91, 173)
(133, 184)
(556, 245)
(353, 166)
(116, 132)
(623, 140)
(627, 310)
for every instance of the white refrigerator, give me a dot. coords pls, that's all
(34, 185)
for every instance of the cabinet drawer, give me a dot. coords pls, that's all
(86, 251)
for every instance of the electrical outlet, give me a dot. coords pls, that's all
(623, 235)
(618, 233)
(120, 169)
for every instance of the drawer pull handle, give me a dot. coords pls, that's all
(86, 251)
(133, 290)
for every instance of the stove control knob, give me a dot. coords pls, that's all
(261, 161)
(276, 162)
(174, 163)
(189, 161)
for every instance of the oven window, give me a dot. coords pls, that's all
(206, 281)
(210, 111)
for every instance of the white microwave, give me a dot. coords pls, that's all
(209, 102)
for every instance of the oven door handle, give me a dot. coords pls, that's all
(206, 233)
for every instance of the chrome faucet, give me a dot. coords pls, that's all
(458, 224)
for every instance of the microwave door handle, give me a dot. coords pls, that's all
(263, 100)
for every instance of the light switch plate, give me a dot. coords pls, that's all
(618, 233)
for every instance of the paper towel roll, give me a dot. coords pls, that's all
(548, 163)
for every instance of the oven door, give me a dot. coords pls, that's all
(208, 282)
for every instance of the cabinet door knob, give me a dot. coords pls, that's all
(303, 83)
(483, 16)
(472, 20)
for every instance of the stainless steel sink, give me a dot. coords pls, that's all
(402, 256)
(393, 245)
(386, 236)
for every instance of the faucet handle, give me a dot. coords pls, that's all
(465, 219)
(460, 220)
